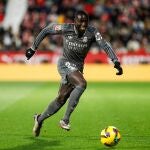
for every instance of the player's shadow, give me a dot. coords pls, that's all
(36, 144)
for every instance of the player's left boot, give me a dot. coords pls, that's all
(64, 125)
(37, 126)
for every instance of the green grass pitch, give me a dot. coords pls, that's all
(124, 105)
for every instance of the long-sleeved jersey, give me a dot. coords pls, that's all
(75, 48)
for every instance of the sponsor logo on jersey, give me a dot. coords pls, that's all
(75, 44)
(98, 36)
(57, 27)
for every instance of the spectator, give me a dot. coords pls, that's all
(119, 19)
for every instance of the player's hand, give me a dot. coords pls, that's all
(118, 67)
(29, 53)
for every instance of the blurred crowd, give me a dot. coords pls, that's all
(124, 23)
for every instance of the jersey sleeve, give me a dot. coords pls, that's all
(51, 29)
(105, 46)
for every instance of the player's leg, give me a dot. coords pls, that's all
(60, 100)
(53, 107)
(75, 78)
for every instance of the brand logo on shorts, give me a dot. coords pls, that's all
(70, 66)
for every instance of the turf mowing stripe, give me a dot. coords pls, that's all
(12, 92)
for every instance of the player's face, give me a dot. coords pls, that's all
(81, 23)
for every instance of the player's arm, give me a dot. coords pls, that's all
(109, 51)
(51, 29)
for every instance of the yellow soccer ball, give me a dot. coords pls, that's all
(110, 136)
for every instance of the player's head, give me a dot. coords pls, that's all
(81, 21)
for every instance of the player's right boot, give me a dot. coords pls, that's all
(37, 126)
(64, 125)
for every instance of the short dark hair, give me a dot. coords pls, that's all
(81, 12)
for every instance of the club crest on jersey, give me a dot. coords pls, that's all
(57, 27)
(85, 39)
(70, 37)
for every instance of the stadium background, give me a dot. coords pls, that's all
(125, 24)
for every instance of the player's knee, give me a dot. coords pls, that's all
(82, 84)
(62, 98)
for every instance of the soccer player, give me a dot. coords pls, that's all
(77, 39)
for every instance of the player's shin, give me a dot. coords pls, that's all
(73, 101)
(52, 108)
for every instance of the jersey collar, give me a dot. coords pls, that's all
(77, 31)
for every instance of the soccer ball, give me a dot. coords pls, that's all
(110, 136)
